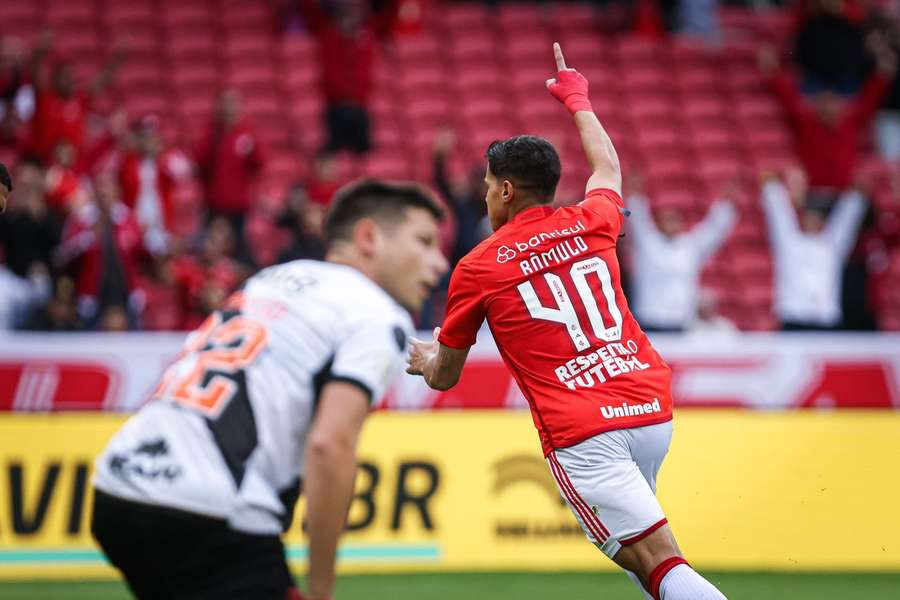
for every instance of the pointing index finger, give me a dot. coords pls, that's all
(558, 55)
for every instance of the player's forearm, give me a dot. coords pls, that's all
(330, 473)
(598, 147)
(443, 369)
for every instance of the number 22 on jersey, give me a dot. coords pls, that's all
(221, 348)
(567, 313)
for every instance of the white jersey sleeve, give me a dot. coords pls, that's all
(371, 357)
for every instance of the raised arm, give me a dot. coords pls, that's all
(715, 227)
(571, 88)
(843, 224)
(780, 215)
(641, 221)
(107, 74)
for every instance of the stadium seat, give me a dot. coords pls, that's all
(573, 17)
(464, 16)
(515, 18)
(531, 49)
(635, 50)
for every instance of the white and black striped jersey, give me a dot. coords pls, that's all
(224, 434)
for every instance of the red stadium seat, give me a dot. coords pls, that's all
(704, 108)
(687, 52)
(700, 80)
(464, 16)
(299, 48)
(566, 17)
(389, 165)
(247, 48)
(131, 13)
(769, 137)
(531, 49)
(648, 109)
(586, 49)
(635, 50)
(756, 108)
(519, 18)
(67, 16)
(472, 49)
(744, 81)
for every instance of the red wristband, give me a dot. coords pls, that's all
(571, 88)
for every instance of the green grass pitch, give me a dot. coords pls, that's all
(527, 586)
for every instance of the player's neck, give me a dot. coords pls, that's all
(520, 207)
(341, 256)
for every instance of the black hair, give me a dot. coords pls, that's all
(529, 162)
(375, 199)
(5, 179)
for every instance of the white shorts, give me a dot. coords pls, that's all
(609, 482)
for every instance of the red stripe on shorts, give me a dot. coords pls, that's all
(586, 513)
(593, 516)
(643, 534)
(554, 468)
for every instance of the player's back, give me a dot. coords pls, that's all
(551, 292)
(225, 433)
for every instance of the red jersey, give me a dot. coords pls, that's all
(548, 283)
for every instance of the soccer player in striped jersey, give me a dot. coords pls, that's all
(548, 283)
(267, 399)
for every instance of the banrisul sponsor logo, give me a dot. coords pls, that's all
(630, 410)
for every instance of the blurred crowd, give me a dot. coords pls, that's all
(94, 236)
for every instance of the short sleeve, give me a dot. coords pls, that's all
(465, 309)
(371, 357)
(608, 205)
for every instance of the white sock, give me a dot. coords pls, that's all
(637, 582)
(684, 583)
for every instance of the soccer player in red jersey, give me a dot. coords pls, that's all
(548, 283)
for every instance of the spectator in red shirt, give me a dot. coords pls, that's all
(229, 159)
(61, 105)
(348, 43)
(148, 176)
(103, 247)
(827, 127)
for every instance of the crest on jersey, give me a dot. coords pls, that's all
(400, 337)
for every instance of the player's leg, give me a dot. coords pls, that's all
(654, 555)
(166, 553)
(614, 502)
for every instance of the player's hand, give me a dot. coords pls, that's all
(421, 352)
(569, 86)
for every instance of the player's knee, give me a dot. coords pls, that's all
(645, 555)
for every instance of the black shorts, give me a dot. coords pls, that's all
(170, 554)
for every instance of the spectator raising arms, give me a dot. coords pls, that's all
(827, 129)
(668, 261)
(348, 43)
(104, 249)
(809, 256)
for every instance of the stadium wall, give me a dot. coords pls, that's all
(468, 490)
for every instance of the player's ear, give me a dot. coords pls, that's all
(507, 191)
(366, 237)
